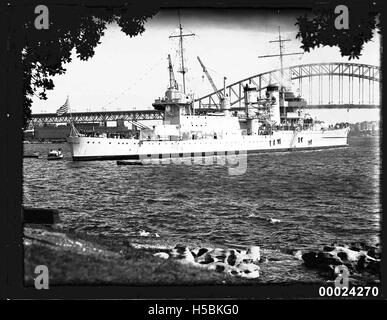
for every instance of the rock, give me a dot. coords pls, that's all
(162, 255)
(215, 255)
(264, 260)
(328, 248)
(187, 257)
(144, 233)
(328, 258)
(358, 246)
(374, 252)
(195, 252)
(248, 270)
(298, 255)
(241, 263)
(254, 253)
(347, 254)
(310, 259)
(202, 251)
(182, 254)
(368, 264)
(180, 248)
(205, 259)
(220, 267)
(354, 257)
(231, 259)
(233, 272)
(211, 266)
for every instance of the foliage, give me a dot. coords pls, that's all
(318, 28)
(72, 27)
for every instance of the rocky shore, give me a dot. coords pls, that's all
(234, 262)
(84, 259)
(80, 259)
(359, 258)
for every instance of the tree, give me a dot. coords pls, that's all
(80, 27)
(318, 27)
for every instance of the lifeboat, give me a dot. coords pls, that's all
(55, 155)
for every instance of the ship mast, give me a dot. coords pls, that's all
(281, 54)
(180, 36)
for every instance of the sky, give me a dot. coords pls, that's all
(129, 73)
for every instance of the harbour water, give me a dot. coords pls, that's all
(283, 203)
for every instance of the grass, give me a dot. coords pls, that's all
(124, 265)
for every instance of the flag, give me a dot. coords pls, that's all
(63, 109)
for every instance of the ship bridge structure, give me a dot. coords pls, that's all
(322, 85)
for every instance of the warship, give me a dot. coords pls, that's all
(276, 122)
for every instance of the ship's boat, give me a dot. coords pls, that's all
(55, 155)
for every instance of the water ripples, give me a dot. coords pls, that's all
(313, 197)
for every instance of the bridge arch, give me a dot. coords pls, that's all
(335, 72)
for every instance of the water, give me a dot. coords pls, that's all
(315, 197)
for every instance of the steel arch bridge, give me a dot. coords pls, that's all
(133, 117)
(340, 85)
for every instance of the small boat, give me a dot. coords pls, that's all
(129, 163)
(55, 155)
(31, 155)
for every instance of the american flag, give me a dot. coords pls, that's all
(63, 109)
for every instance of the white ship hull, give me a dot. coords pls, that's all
(97, 148)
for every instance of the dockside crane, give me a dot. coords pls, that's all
(172, 81)
(218, 93)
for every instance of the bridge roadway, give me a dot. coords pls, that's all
(141, 115)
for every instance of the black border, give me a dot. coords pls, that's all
(11, 272)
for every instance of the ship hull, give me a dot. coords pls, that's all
(95, 148)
